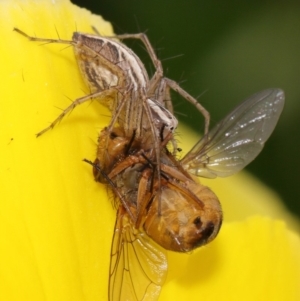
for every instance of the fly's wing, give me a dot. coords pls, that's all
(238, 138)
(138, 266)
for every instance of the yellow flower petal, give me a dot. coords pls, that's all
(56, 223)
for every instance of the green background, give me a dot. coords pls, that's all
(227, 51)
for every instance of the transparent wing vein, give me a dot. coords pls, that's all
(138, 266)
(238, 138)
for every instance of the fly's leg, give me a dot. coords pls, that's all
(143, 197)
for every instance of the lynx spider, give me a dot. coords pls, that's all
(154, 93)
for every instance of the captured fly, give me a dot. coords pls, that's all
(174, 212)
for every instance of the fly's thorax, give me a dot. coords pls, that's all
(190, 217)
(127, 183)
(129, 179)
